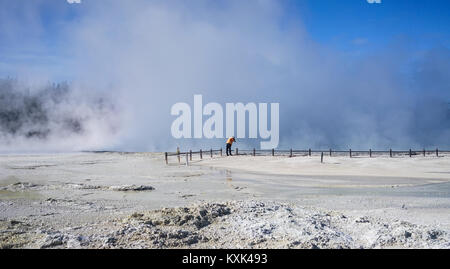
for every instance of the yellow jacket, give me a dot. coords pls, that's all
(231, 140)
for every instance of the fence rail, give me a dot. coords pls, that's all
(188, 155)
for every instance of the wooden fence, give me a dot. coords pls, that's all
(188, 156)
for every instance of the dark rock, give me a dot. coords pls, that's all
(192, 240)
(434, 234)
(202, 222)
(203, 212)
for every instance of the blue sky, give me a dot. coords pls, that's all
(338, 22)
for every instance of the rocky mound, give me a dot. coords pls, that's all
(236, 224)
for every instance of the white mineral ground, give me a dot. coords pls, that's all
(135, 200)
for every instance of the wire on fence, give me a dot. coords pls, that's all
(190, 155)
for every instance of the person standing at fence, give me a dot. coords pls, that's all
(229, 143)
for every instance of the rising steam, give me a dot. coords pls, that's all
(157, 53)
(53, 117)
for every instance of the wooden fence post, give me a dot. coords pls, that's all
(187, 159)
(350, 151)
(290, 153)
(273, 152)
(201, 155)
(220, 152)
(410, 153)
(237, 151)
(330, 152)
(165, 156)
(437, 152)
(211, 153)
(190, 154)
(370, 153)
(423, 152)
(321, 157)
(254, 152)
(309, 152)
(390, 153)
(178, 155)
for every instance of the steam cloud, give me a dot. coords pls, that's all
(52, 117)
(153, 54)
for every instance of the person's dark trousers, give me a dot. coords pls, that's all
(229, 149)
